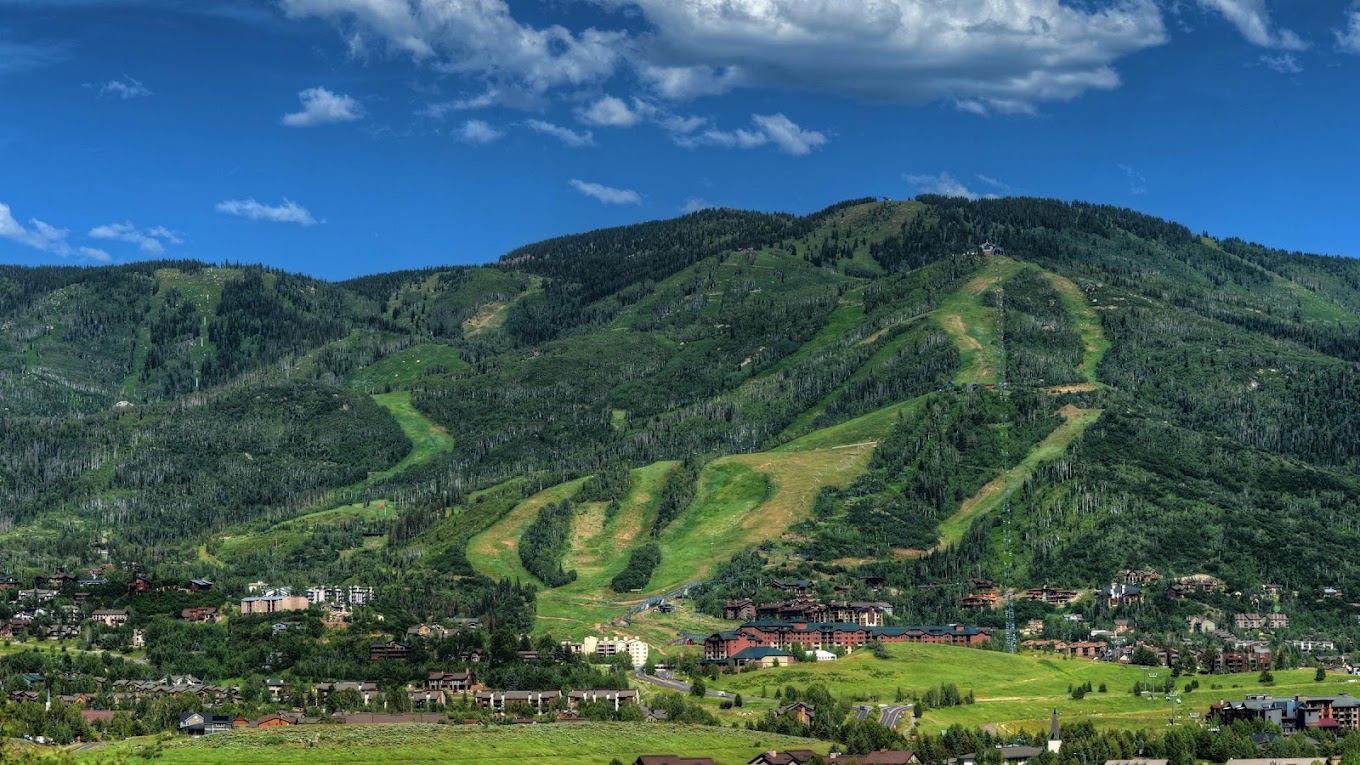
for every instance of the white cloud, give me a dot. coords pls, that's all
(478, 131)
(1285, 63)
(38, 235)
(1252, 19)
(995, 55)
(992, 54)
(774, 129)
(126, 89)
(44, 237)
(567, 136)
(694, 204)
(474, 37)
(607, 194)
(1349, 37)
(288, 212)
(322, 107)
(1138, 185)
(509, 98)
(610, 112)
(151, 241)
(944, 184)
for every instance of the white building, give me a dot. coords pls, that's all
(353, 595)
(820, 655)
(636, 649)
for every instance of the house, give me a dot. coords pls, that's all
(138, 585)
(761, 656)
(392, 649)
(671, 759)
(450, 682)
(1196, 583)
(276, 720)
(200, 724)
(277, 688)
(1277, 621)
(368, 691)
(617, 698)
(97, 716)
(269, 604)
(199, 614)
(1249, 621)
(1054, 596)
(1293, 715)
(110, 617)
(1140, 577)
(429, 632)
(1034, 627)
(38, 595)
(200, 585)
(425, 699)
(1120, 594)
(796, 586)
(9, 583)
(743, 609)
(981, 600)
(540, 701)
(56, 581)
(1138, 762)
(798, 710)
(91, 581)
(1200, 625)
(1014, 755)
(874, 582)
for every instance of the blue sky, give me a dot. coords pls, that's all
(343, 137)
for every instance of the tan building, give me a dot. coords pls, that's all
(270, 604)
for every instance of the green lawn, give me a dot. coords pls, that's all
(577, 744)
(867, 428)
(1019, 691)
(406, 366)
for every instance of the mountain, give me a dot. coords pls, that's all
(726, 397)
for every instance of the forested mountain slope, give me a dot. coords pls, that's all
(611, 415)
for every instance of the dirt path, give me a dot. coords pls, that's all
(954, 323)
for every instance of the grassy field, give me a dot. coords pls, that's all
(427, 439)
(1020, 691)
(1076, 421)
(972, 325)
(1088, 326)
(495, 552)
(406, 366)
(741, 501)
(579, 744)
(746, 499)
(598, 552)
(866, 429)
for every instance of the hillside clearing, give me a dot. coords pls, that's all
(1087, 322)
(495, 552)
(428, 440)
(972, 325)
(1075, 422)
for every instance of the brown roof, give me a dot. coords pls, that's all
(791, 757)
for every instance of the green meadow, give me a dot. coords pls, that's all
(576, 744)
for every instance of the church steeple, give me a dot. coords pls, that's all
(1054, 735)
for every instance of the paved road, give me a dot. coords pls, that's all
(679, 686)
(861, 712)
(891, 716)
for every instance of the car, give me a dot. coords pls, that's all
(722, 693)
